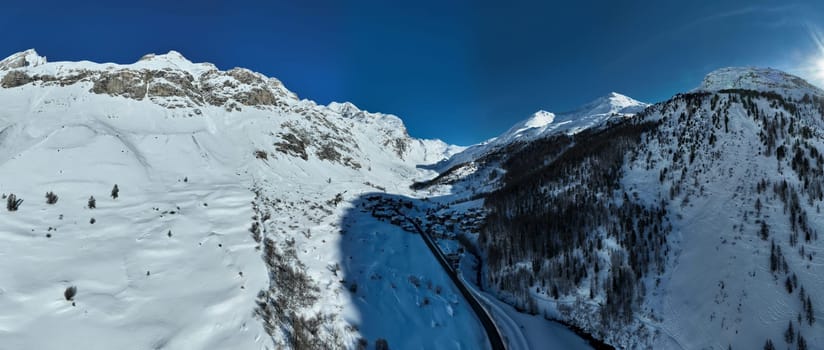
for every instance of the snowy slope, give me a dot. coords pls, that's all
(229, 184)
(719, 289)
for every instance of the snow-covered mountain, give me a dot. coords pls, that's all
(758, 79)
(693, 224)
(171, 204)
(543, 124)
(227, 230)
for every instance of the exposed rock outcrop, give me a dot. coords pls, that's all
(169, 80)
(15, 79)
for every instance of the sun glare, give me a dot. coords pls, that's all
(816, 69)
(819, 68)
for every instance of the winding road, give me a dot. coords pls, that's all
(496, 340)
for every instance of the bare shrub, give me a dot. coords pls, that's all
(12, 202)
(51, 198)
(70, 292)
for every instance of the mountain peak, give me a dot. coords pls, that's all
(539, 119)
(28, 58)
(622, 100)
(612, 103)
(175, 60)
(171, 56)
(347, 109)
(591, 114)
(756, 78)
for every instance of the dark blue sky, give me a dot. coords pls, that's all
(462, 71)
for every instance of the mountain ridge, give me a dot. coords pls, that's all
(758, 79)
(593, 114)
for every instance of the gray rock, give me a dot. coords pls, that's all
(15, 79)
(124, 83)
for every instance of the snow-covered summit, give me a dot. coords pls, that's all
(758, 79)
(539, 119)
(174, 60)
(344, 108)
(349, 110)
(170, 56)
(613, 103)
(28, 58)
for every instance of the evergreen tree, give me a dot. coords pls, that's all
(774, 260)
(70, 292)
(726, 123)
(92, 203)
(802, 343)
(51, 198)
(12, 202)
(765, 230)
(809, 311)
(789, 334)
(115, 191)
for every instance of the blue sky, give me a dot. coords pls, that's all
(461, 70)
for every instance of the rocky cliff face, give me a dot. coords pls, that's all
(170, 80)
(173, 82)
